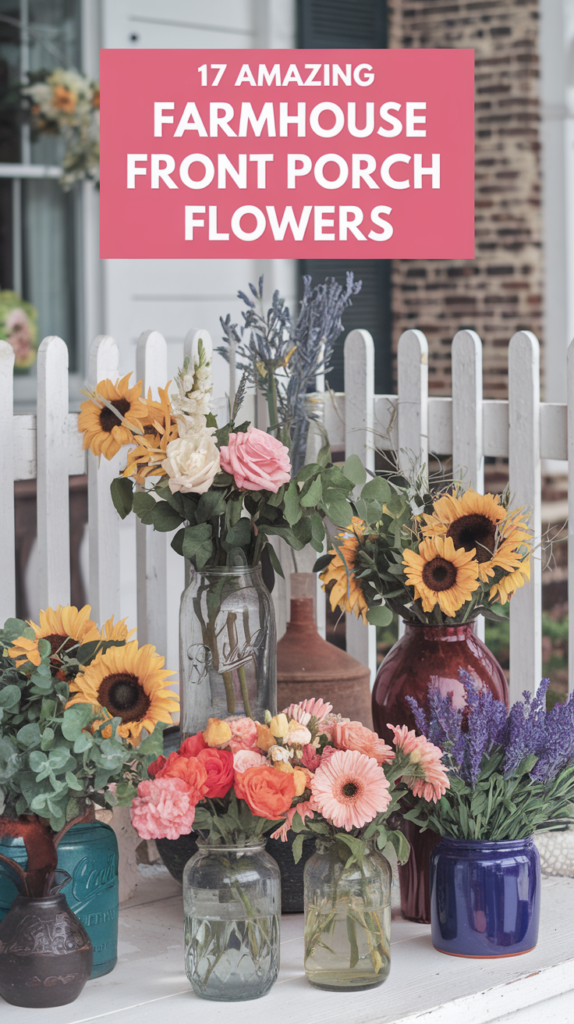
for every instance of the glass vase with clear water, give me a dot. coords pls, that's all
(228, 647)
(347, 918)
(232, 904)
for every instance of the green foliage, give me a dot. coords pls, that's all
(53, 760)
(228, 821)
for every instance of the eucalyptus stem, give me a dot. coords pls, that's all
(244, 693)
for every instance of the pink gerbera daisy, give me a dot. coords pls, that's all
(306, 709)
(350, 789)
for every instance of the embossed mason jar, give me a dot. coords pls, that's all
(89, 853)
(228, 649)
(347, 919)
(232, 905)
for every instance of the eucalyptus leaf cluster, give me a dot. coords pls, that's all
(53, 760)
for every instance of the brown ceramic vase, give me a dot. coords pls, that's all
(427, 655)
(308, 666)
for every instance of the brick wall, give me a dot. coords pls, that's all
(500, 291)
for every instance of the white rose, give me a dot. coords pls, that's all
(192, 462)
(298, 735)
(277, 753)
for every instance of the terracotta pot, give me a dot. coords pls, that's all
(45, 953)
(425, 655)
(308, 666)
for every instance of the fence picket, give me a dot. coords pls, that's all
(413, 358)
(8, 459)
(151, 546)
(525, 489)
(53, 505)
(570, 394)
(191, 342)
(467, 448)
(103, 520)
(359, 440)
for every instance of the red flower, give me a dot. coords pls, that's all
(190, 770)
(156, 766)
(219, 767)
(192, 745)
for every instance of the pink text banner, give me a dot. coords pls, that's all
(287, 153)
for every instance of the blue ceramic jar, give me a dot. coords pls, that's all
(89, 853)
(485, 897)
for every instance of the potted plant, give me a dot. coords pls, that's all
(511, 775)
(438, 558)
(79, 710)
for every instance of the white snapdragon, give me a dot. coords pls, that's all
(192, 403)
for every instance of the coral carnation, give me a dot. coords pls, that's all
(243, 734)
(350, 789)
(163, 809)
(354, 736)
(156, 766)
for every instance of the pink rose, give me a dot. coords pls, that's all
(258, 461)
(244, 759)
(243, 734)
(354, 736)
(163, 809)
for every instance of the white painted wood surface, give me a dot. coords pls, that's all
(424, 987)
(361, 639)
(53, 503)
(466, 427)
(525, 487)
(151, 546)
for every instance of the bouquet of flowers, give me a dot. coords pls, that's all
(228, 488)
(65, 102)
(19, 326)
(437, 558)
(511, 772)
(79, 716)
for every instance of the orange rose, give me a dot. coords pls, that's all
(302, 779)
(267, 793)
(265, 737)
(190, 770)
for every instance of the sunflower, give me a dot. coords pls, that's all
(24, 650)
(116, 631)
(65, 627)
(479, 522)
(104, 431)
(159, 428)
(346, 592)
(508, 585)
(441, 574)
(128, 683)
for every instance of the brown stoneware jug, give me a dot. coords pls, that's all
(308, 666)
(425, 655)
(45, 953)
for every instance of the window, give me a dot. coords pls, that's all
(359, 24)
(39, 223)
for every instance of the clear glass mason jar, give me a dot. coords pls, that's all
(347, 919)
(232, 904)
(228, 647)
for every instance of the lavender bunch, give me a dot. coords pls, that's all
(283, 359)
(511, 774)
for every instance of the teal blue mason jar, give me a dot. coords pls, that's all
(89, 853)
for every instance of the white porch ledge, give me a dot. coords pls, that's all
(424, 987)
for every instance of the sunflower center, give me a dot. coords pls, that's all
(59, 643)
(108, 419)
(474, 531)
(148, 429)
(439, 574)
(123, 696)
(350, 789)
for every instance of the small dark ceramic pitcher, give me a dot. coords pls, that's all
(45, 953)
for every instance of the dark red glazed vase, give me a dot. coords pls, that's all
(425, 655)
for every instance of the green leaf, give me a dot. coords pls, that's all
(297, 848)
(274, 559)
(322, 563)
(306, 472)
(197, 544)
(165, 518)
(83, 742)
(276, 500)
(75, 719)
(29, 735)
(293, 510)
(338, 511)
(73, 782)
(10, 696)
(380, 615)
(313, 496)
(317, 532)
(353, 944)
(122, 495)
(177, 541)
(239, 536)
(285, 532)
(378, 489)
(37, 760)
(354, 470)
(144, 506)
(210, 505)
(324, 456)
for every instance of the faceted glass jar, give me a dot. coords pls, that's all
(347, 919)
(232, 904)
(227, 647)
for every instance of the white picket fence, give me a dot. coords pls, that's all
(48, 447)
